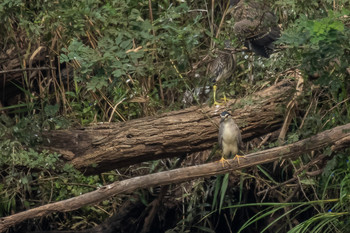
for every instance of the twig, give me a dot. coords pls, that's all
(292, 195)
(212, 44)
(291, 106)
(198, 10)
(114, 109)
(264, 140)
(306, 114)
(222, 19)
(329, 110)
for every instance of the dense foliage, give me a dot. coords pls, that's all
(118, 60)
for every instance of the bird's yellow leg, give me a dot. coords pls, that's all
(214, 90)
(224, 99)
(237, 157)
(223, 161)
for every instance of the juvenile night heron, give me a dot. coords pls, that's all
(255, 24)
(230, 139)
(221, 68)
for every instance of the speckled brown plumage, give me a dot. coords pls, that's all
(256, 25)
(222, 66)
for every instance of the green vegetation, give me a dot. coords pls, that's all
(117, 60)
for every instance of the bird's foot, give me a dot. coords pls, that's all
(221, 103)
(237, 157)
(217, 103)
(223, 161)
(225, 99)
(214, 97)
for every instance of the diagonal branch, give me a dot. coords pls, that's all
(338, 138)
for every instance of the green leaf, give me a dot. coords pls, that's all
(24, 180)
(126, 44)
(223, 190)
(118, 73)
(51, 110)
(308, 181)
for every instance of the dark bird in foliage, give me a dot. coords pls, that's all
(221, 67)
(196, 94)
(230, 139)
(255, 24)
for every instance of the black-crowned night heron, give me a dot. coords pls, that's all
(255, 24)
(221, 68)
(230, 139)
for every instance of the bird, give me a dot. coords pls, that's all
(256, 25)
(221, 68)
(196, 94)
(230, 138)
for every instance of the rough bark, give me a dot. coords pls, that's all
(338, 138)
(114, 145)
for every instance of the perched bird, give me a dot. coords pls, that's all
(230, 139)
(195, 94)
(255, 24)
(221, 67)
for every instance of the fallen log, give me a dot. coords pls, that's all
(103, 147)
(338, 138)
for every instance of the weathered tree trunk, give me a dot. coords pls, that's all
(171, 134)
(337, 138)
